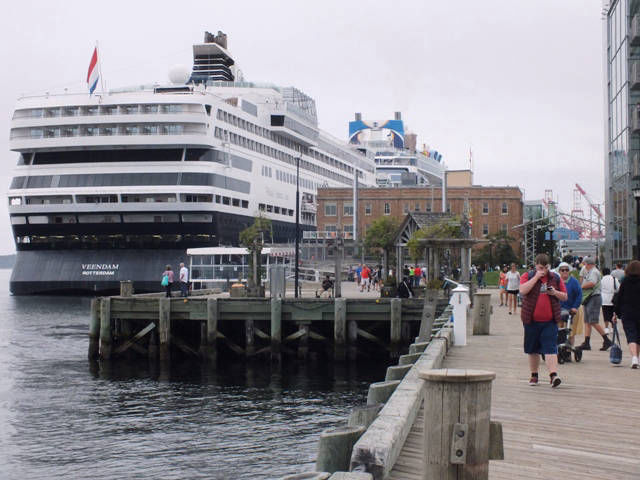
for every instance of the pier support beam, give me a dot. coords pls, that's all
(276, 328)
(106, 340)
(94, 330)
(352, 335)
(396, 326)
(339, 328)
(164, 328)
(303, 343)
(249, 334)
(212, 332)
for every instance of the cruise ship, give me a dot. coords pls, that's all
(398, 161)
(115, 185)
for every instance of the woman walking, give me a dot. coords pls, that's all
(609, 285)
(627, 308)
(167, 280)
(513, 288)
(503, 286)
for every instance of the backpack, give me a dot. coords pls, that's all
(165, 281)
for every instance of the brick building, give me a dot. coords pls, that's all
(492, 208)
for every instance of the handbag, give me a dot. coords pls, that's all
(165, 281)
(615, 352)
(587, 293)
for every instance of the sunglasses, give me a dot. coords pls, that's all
(564, 269)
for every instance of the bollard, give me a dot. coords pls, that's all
(379, 392)
(335, 446)
(481, 313)
(457, 432)
(460, 302)
(126, 288)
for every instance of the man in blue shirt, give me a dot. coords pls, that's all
(574, 295)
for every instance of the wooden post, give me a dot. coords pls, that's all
(465, 263)
(482, 314)
(249, 337)
(212, 331)
(164, 328)
(106, 339)
(303, 343)
(396, 326)
(126, 288)
(94, 330)
(153, 345)
(276, 328)
(352, 334)
(339, 328)
(337, 283)
(457, 432)
(428, 314)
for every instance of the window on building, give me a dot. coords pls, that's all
(485, 208)
(448, 207)
(330, 209)
(387, 209)
(406, 208)
(505, 227)
(417, 207)
(367, 209)
(347, 209)
(330, 227)
(485, 229)
(428, 207)
(505, 208)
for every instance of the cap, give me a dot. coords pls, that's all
(564, 265)
(589, 261)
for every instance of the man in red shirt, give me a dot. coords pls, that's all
(364, 275)
(542, 291)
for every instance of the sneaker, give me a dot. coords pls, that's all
(606, 344)
(634, 363)
(584, 346)
(555, 381)
(533, 381)
(607, 331)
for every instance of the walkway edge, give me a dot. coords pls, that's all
(379, 447)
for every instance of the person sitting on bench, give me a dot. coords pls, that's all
(327, 287)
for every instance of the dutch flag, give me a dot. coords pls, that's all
(92, 74)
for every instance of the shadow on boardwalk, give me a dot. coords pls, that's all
(588, 428)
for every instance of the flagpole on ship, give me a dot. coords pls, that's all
(100, 68)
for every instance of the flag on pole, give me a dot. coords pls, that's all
(93, 74)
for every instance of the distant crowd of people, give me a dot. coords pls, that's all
(168, 278)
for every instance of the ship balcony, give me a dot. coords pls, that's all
(634, 78)
(308, 207)
(111, 119)
(635, 30)
(287, 127)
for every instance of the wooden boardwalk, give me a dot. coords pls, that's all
(588, 428)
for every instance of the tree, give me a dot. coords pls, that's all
(499, 250)
(381, 235)
(252, 238)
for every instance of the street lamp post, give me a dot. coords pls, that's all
(297, 224)
(551, 227)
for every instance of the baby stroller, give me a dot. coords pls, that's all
(565, 349)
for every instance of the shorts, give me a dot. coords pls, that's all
(632, 330)
(503, 287)
(513, 292)
(592, 310)
(364, 281)
(541, 337)
(607, 313)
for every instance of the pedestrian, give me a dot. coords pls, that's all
(480, 277)
(502, 285)
(364, 275)
(592, 301)
(167, 280)
(184, 280)
(358, 274)
(513, 286)
(542, 291)
(404, 289)
(618, 273)
(610, 286)
(417, 273)
(627, 308)
(574, 296)
(327, 287)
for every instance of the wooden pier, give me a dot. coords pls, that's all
(202, 326)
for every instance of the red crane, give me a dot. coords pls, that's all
(593, 206)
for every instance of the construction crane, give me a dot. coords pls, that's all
(595, 208)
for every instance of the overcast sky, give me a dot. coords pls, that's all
(519, 82)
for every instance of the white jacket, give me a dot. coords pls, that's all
(609, 286)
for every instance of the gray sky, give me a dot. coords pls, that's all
(519, 82)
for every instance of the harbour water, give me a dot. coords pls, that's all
(62, 418)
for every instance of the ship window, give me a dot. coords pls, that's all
(218, 198)
(208, 109)
(92, 110)
(15, 200)
(226, 200)
(18, 220)
(149, 108)
(245, 204)
(276, 209)
(235, 202)
(262, 207)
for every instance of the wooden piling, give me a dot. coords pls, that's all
(276, 328)
(249, 335)
(339, 328)
(164, 328)
(396, 326)
(457, 417)
(126, 288)
(303, 343)
(153, 345)
(94, 330)
(106, 340)
(352, 335)
(212, 332)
